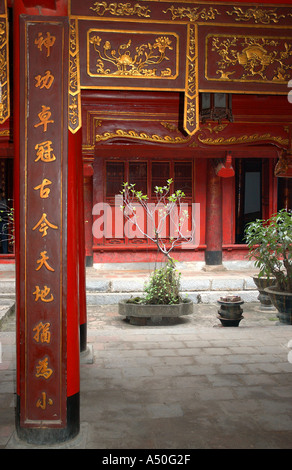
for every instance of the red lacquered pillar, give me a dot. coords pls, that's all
(88, 205)
(47, 276)
(73, 338)
(213, 253)
(81, 244)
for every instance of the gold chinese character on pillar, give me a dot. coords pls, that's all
(42, 333)
(43, 225)
(44, 294)
(48, 41)
(43, 261)
(42, 370)
(44, 81)
(44, 117)
(44, 401)
(44, 152)
(44, 192)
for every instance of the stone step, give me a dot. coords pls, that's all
(7, 286)
(6, 308)
(199, 289)
(195, 283)
(206, 297)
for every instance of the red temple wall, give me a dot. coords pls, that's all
(246, 109)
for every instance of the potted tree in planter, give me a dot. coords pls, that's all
(270, 245)
(162, 296)
(265, 278)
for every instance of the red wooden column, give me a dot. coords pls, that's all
(213, 253)
(47, 276)
(88, 205)
(81, 243)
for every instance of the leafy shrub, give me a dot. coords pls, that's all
(270, 245)
(163, 286)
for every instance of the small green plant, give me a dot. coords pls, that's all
(163, 286)
(270, 245)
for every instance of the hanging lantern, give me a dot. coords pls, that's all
(225, 169)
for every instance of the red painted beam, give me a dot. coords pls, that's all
(50, 4)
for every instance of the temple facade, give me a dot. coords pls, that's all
(95, 94)
(193, 91)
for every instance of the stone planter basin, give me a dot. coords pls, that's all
(282, 301)
(262, 283)
(140, 314)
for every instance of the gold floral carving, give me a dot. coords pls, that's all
(214, 128)
(131, 134)
(169, 126)
(257, 14)
(121, 9)
(191, 113)
(4, 69)
(193, 14)
(74, 106)
(259, 59)
(192, 78)
(243, 139)
(126, 60)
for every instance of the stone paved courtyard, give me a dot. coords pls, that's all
(186, 384)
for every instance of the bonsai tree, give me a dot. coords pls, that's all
(270, 245)
(164, 284)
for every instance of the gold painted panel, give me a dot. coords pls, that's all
(183, 11)
(248, 58)
(134, 54)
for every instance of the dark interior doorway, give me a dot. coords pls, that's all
(248, 194)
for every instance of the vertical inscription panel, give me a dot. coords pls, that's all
(43, 158)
